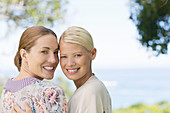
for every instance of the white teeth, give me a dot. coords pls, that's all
(72, 70)
(49, 68)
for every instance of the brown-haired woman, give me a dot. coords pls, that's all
(36, 59)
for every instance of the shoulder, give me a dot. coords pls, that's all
(94, 85)
(52, 96)
(47, 87)
(45, 90)
(92, 96)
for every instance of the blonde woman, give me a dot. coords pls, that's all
(76, 54)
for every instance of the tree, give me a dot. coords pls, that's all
(152, 19)
(25, 13)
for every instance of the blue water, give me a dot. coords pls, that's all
(129, 86)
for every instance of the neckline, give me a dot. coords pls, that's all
(16, 85)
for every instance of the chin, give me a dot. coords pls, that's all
(49, 77)
(71, 78)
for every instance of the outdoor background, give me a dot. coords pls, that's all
(132, 73)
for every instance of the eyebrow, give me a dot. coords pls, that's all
(79, 52)
(49, 48)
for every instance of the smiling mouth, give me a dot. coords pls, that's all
(72, 71)
(49, 68)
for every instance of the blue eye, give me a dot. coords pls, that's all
(44, 52)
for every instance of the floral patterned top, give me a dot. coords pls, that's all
(42, 97)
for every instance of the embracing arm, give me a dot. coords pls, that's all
(17, 109)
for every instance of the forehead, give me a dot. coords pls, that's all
(67, 47)
(46, 40)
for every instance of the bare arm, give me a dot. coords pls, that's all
(17, 109)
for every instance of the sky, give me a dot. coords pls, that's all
(114, 35)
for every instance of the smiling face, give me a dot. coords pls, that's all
(42, 59)
(75, 61)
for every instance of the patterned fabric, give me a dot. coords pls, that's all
(42, 97)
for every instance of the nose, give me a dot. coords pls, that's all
(53, 58)
(71, 62)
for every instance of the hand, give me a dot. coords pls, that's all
(17, 109)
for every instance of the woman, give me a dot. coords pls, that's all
(76, 54)
(36, 59)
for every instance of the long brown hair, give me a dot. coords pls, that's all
(28, 39)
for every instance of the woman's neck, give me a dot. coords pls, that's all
(78, 83)
(24, 73)
(21, 76)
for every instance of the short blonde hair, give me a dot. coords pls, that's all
(79, 36)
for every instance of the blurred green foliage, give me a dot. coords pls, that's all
(26, 13)
(65, 85)
(161, 107)
(152, 19)
(1, 88)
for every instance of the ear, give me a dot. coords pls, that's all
(93, 53)
(23, 54)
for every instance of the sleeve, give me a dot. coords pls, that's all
(54, 100)
(93, 102)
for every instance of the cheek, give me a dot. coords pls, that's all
(36, 62)
(62, 62)
(84, 62)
